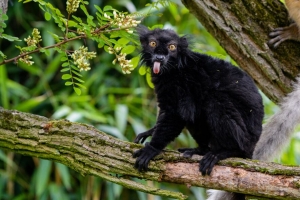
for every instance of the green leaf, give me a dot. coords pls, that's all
(157, 26)
(71, 35)
(55, 192)
(76, 73)
(100, 44)
(72, 23)
(64, 70)
(2, 55)
(18, 47)
(78, 79)
(77, 90)
(4, 17)
(75, 68)
(65, 64)
(135, 61)
(83, 8)
(42, 176)
(128, 49)
(56, 37)
(64, 58)
(47, 16)
(66, 76)
(106, 8)
(90, 21)
(77, 19)
(3, 87)
(123, 41)
(3, 25)
(142, 70)
(27, 105)
(65, 175)
(149, 80)
(45, 51)
(106, 48)
(80, 85)
(30, 48)
(58, 50)
(112, 131)
(113, 41)
(68, 83)
(10, 38)
(121, 115)
(98, 8)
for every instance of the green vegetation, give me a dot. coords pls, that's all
(102, 93)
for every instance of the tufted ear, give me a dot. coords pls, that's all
(184, 42)
(143, 32)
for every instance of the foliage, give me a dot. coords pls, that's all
(121, 105)
(111, 30)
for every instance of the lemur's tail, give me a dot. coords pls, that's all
(279, 128)
(223, 195)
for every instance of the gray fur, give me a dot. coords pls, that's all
(219, 195)
(279, 128)
(275, 135)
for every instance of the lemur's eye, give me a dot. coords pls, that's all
(172, 47)
(152, 44)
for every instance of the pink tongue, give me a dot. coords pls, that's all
(156, 67)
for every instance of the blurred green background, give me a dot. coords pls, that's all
(118, 104)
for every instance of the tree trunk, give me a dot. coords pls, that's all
(91, 152)
(3, 5)
(242, 28)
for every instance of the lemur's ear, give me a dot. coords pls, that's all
(184, 42)
(143, 32)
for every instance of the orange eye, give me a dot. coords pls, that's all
(172, 47)
(152, 44)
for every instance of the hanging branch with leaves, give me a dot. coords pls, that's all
(110, 28)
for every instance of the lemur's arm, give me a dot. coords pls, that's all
(167, 128)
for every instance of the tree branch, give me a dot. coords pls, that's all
(242, 28)
(92, 152)
(3, 5)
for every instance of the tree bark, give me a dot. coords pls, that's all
(3, 5)
(92, 152)
(242, 28)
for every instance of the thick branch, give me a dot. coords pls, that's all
(3, 5)
(242, 28)
(89, 151)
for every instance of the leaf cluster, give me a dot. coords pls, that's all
(109, 28)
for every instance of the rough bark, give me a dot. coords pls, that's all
(242, 28)
(3, 5)
(92, 152)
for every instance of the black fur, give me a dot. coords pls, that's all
(218, 103)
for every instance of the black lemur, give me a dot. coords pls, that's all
(217, 102)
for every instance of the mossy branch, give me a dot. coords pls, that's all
(92, 152)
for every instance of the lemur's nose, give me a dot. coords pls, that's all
(160, 57)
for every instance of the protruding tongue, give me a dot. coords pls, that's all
(156, 67)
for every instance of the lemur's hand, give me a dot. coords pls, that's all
(144, 155)
(140, 138)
